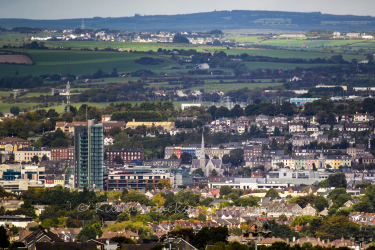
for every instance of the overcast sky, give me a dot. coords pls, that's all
(52, 9)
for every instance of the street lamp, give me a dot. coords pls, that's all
(170, 240)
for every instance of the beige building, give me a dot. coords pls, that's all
(26, 154)
(164, 125)
(309, 210)
(68, 127)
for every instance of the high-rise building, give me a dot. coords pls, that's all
(88, 155)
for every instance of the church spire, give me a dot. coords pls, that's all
(202, 163)
(203, 155)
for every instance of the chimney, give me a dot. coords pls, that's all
(287, 240)
(294, 239)
(133, 120)
(328, 241)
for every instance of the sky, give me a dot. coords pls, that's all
(66, 9)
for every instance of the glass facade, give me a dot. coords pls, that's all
(88, 143)
(96, 156)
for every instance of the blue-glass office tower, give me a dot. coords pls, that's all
(88, 158)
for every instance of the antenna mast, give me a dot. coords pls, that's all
(68, 97)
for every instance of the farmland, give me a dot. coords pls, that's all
(102, 105)
(83, 58)
(5, 107)
(15, 59)
(88, 62)
(80, 63)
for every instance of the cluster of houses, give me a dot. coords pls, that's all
(216, 215)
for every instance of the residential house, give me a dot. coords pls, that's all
(322, 138)
(243, 120)
(309, 210)
(40, 235)
(281, 118)
(338, 127)
(312, 128)
(363, 127)
(263, 119)
(296, 127)
(272, 125)
(325, 127)
(360, 117)
(269, 241)
(351, 127)
(108, 140)
(299, 118)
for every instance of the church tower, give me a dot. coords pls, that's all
(321, 161)
(202, 159)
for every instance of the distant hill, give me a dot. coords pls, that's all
(236, 19)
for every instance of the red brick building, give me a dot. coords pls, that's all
(58, 154)
(252, 151)
(258, 174)
(280, 140)
(127, 155)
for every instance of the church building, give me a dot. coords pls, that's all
(207, 165)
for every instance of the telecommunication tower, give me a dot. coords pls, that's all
(227, 100)
(68, 97)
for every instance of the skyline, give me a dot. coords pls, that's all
(69, 9)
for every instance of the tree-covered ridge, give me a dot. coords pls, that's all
(235, 19)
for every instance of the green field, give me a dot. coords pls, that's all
(6, 93)
(282, 66)
(5, 107)
(100, 105)
(8, 36)
(233, 86)
(283, 53)
(80, 63)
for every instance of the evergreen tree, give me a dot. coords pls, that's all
(4, 238)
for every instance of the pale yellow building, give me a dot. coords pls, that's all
(164, 125)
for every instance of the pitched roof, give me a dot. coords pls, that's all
(270, 241)
(12, 139)
(65, 245)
